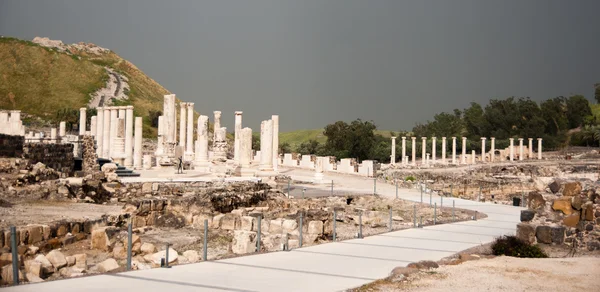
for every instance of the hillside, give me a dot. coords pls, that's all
(295, 138)
(42, 80)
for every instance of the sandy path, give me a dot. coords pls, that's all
(514, 274)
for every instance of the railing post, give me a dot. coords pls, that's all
(258, 233)
(300, 232)
(421, 222)
(15, 255)
(415, 215)
(374, 185)
(334, 219)
(430, 198)
(129, 244)
(421, 186)
(167, 256)
(360, 225)
(391, 219)
(205, 247)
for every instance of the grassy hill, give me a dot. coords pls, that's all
(295, 138)
(41, 81)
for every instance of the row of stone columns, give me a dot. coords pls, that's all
(113, 129)
(463, 158)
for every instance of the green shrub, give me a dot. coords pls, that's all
(410, 178)
(514, 247)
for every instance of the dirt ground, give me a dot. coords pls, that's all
(557, 273)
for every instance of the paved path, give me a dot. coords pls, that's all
(326, 267)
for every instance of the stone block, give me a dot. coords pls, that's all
(535, 200)
(576, 202)
(156, 257)
(192, 256)
(34, 267)
(107, 266)
(564, 205)
(276, 226)
(248, 222)
(572, 189)
(558, 234)
(572, 220)
(289, 225)
(587, 212)
(100, 240)
(119, 252)
(315, 227)
(57, 259)
(527, 215)
(81, 261)
(216, 221)
(555, 186)
(243, 242)
(147, 248)
(134, 239)
(230, 222)
(7, 275)
(70, 261)
(526, 232)
(47, 267)
(36, 233)
(543, 234)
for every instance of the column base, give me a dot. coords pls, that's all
(245, 171)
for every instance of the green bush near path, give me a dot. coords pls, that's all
(514, 247)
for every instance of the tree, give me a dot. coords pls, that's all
(353, 140)
(597, 92)
(531, 122)
(308, 147)
(578, 109)
(554, 113)
(474, 121)
(285, 148)
(502, 118)
(153, 116)
(69, 116)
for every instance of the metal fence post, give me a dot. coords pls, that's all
(391, 219)
(15, 255)
(479, 198)
(374, 186)
(415, 215)
(360, 225)
(522, 199)
(129, 244)
(167, 257)
(205, 247)
(430, 198)
(421, 222)
(258, 233)
(475, 217)
(421, 193)
(451, 190)
(434, 213)
(300, 232)
(334, 219)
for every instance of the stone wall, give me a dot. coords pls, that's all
(11, 146)
(90, 159)
(56, 156)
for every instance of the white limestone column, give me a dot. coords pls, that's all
(137, 145)
(511, 150)
(483, 149)
(404, 151)
(464, 150)
(521, 152)
(492, 149)
(473, 155)
(53, 135)
(266, 146)
(82, 121)
(169, 119)
(217, 122)
(122, 112)
(182, 123)
(201, 156)
(530, 150)
(433, 154)
(453, 150)
(114, 122)
(245, 147)
(99, 130)
(202, 126)
(423, 150)
(414, 150)
(236, 142)
(129, 120)
(393, 156)
(539, 148)
(190, 130)
(160, 139)
(275, 121)
(106, 133)
(93, 121)
(62, 129)
(444, 150)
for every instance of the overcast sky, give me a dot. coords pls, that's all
(315, 62)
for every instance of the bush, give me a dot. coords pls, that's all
(513, 247)
(410, 178)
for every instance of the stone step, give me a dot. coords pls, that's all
(119, 171)
(132, 174)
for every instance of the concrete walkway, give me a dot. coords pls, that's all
(326, 267)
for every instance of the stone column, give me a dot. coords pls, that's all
(539, 148)
(202, 127)
(245, 153)
(521, 152)
(189, 151)
(473, 160)
(62, 129)
(169, 119)
(217, 123)
(433, 156)
(129, 136)
(160, 140)
(464, 150)
(82, 121)
(453, 150)
(444, 150)
(122, 112)
(266, 146)
(530, 150)
(182, 123)
(201, 159)
(511, 150)
(404, 151)
(275, 119)
(99, 130)
(236, 143)
(53, 135)
(93, 121)
(393, 156)
(414, 150)
(106, 133)
(137, 145)
(492, 149)
(483, 149)
(114, 122)
(423, 150)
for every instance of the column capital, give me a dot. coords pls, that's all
(190, 104)
(403, 138)
(238, 113)
(81, 109)
(393, 138)
(520, 139)
(453, 138)
(443, 138)
(492, 138)
(413, 138)
(511, 139)
(217, 112)
(530, 139)
(539, 139)
(433, 138)
(423, 138)
(129, 107)
(464, 138)
(483, 138)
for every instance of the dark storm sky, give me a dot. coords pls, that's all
(314, 62)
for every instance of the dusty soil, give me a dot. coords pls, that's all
(45, 212)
